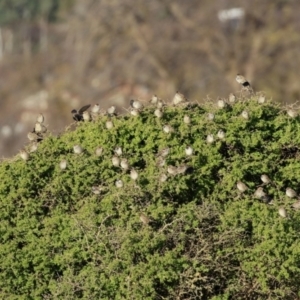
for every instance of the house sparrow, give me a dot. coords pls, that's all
(221, 134)
(292, 113)
(40, 118)
(34, 136)
(261, 99)
(189, 151)
(24, 155)
(242, 187)
(221, 103)
(115, 161)
(119, 183)
(118, 151)
(187, 119)
(163, 178)
(77, 149)
(265, 179)
(86, 116)
(109, 124)
(172, 170)
(124, 164)
(290, 193)
(158, 113)
(134, 112)
(33, 147)
(210, 116)
(164, 152)
(179, 98)
(168, 128)
(99, 151)
(144, 219)
(136, 104)
(231, 98)
(111, 111)
(245, 115)
(40, 128)
(182, 169)
(282, 212)
(63, 164)
(242, 80)
(296, 205)
(134, 174)
(210, 139)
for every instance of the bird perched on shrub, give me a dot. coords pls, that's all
(78, 114)
(244, 82)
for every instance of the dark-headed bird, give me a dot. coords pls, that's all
(78, 115)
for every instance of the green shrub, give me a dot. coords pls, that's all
(204, 240)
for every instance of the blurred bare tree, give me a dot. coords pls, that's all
(111, 50)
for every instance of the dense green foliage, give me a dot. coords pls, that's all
(205, 239)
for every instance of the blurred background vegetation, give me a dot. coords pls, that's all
(56, 55)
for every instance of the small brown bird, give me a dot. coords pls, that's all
(189, 151)
(160, 162)
(259, 193)
(261, 99)
(168, 128)
(33, 147)
(210, 116)
(242, 80)
(163, 178)
(245, 115)
(179, 98)
(164, 152)
(153, 100)
(282, 212)
(77, 149)
(290, 193)
(86, 116)
(77, 115)
(221, 103)
(118, 151)
(63, 164)
(40, 118)
(115, 161)
(296, 205)
(144, 219)
(158, 113)
(24, 155)
(99, 151)
(292, 113)
(221, 134)
(184, 169)
(242, 187)
(124, 164)
(210, 139)
(119, 183)
(136, 104)
(265, 179)
(231, 98)
(134, 112)
(32, 136)
(109, 124)
(111, 111)
(134, 174)
(97, 189)
(172, 170)
(39, 128)
(187, 119)
(95, 109)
